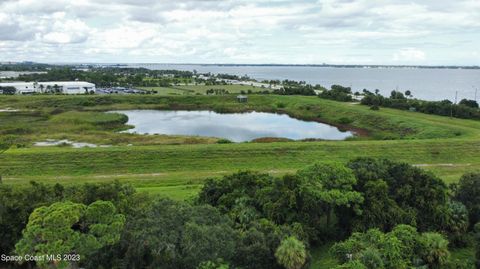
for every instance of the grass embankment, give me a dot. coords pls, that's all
(202, 89)
(380, 125)
(447, 147)
(178, 170)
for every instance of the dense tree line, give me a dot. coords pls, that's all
(383, 214)
(26, 66)
(338, 93)
(466, 109)
(8, 90)
(113, 76)
(291, 87)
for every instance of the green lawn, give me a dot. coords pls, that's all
(176, 166)
(201, 89)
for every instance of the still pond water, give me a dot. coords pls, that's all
(237, 127)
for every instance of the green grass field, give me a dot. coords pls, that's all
(176, 166)
(201, 89)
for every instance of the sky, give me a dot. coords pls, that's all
(398, 32)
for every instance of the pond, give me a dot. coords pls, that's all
(237, 127)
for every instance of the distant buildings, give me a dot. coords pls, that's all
(66, 87)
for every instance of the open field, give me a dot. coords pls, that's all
(202, 89)
(170, 170)
(447, 147)
(176, 166)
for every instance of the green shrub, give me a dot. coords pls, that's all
(345, 120)
(281, 105)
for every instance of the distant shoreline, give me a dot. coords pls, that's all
(380, 66)
(304, 65)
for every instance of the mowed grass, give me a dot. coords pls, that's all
(202, 89)
(178, 171)
(447, 147)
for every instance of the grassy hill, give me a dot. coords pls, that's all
(176, 166)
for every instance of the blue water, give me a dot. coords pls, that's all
(428, 84)
(237, 127)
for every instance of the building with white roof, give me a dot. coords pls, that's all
(66, 87)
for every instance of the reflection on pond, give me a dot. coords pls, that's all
(237, 127)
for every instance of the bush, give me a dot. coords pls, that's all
(345, 120)
(281, 105)
(224, 141)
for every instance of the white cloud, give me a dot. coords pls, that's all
(243, 31)
(409, 55)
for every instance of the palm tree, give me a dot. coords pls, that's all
(56, 88)
(408, 93)
(291, 253)
(434, 249)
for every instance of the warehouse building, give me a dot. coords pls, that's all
(66, 87)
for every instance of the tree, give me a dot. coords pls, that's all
(70, 228)
(170, 234)
(476, 230)
(351, 265)
(291, 253)
(372, 259)
(414, 195)
(8, 90)
(218, 264)
(332, 186)
(256, 246)
(396, 95)
(456, 223)
(468, 193)
(469, 103)
(404, 247)
(434, 249)
(56, 88)
(407, 235)
(368, 247)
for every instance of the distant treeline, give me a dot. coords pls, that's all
(291, 87)
(466, 109)
(26, 66)
(112, 76)
(358, 66)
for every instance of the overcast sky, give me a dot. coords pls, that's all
(429, 32)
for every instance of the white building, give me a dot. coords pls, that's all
(67, 87)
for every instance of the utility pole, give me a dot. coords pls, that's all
(451, 107)
(476, 89)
